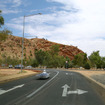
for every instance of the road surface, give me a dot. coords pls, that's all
(62, 88)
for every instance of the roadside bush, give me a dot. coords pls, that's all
(87, 66)
(49, 58)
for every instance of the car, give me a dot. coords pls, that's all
(43, 75)
(19, 66)
(10, 66)
(29, 67)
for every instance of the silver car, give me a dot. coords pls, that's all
(43, 75)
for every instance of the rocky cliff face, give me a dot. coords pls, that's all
(13, 47)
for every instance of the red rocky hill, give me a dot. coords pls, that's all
(12, 47)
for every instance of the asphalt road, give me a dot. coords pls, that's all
(62, 88)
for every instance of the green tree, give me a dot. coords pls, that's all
(54, 49)
(87, 65)
(1, 19)
(9, 61)
(40, 56)
(103, 62)
(49, 58)
(35, 63)
(95, 59)
(80, 60)
(4, 34)
(6, 31)
(57, 61)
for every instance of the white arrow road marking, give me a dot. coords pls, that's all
(77, 91)
(65, 87)
(2, 91)
(15, 87)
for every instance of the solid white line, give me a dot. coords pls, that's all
(30, 95)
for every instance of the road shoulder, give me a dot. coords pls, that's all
(98, 86)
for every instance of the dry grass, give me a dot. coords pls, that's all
(89, 73)
(7, 72)
(12, 74)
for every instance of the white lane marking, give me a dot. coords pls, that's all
(66, 73)
(65, 87)
(71, 73)
(15, 87)
(33, 93)
(77, 91)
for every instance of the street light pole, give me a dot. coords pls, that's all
(23, 36)
(22, 42)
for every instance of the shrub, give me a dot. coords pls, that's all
(87, 66)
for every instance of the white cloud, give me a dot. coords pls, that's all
(16, 3)
(10, 6)
(86, 32)
(15, 26)
(8, 11)
(83, 28)
(12, 3)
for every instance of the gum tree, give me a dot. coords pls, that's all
(1, 19)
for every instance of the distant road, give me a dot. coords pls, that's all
(62, 88)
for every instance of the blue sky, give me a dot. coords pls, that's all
(72, 22)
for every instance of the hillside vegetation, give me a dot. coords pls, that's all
(12, 48)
